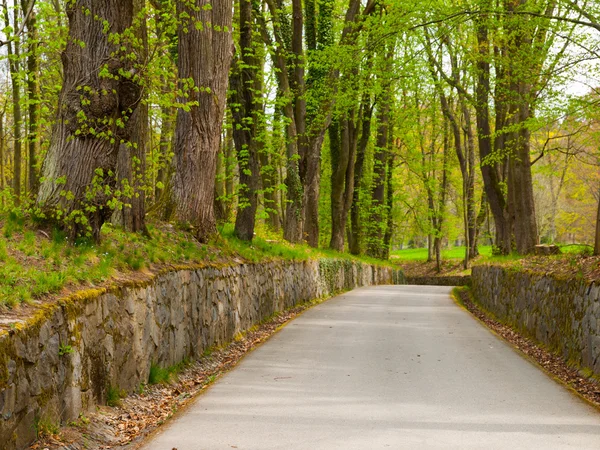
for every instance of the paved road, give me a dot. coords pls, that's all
(385, 367)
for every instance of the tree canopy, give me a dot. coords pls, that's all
(359, 125)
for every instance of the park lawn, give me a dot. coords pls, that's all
(458, 253)
(420, 254)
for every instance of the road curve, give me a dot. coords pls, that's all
(398, 367)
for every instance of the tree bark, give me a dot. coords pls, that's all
(165, 149)
(131, 160)
(354, 233)
(389, 203)
(28, 7)
(293, 217)
(96, 103)
(204, 57)
(13, 65)
(343, 144)
(2, 168)
(375, 243)
(489, 170)
(597, 236)
(245, 111)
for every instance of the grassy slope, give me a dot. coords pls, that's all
(35, 263)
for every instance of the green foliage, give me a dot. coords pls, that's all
(114, 396)
(65, 350)
(160, 375)
(45, 427)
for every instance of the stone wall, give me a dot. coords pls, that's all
(562, 314)
(63, 361)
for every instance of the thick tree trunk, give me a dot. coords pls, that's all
(131, 161)
(204, 56)
(245, 111)
(81, 161)
(520, 183)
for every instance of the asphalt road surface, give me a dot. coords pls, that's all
(398, 367)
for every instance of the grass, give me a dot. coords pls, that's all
(420, 254)
(458, 253)
(164, 374)
(114, 396)
(36, 263)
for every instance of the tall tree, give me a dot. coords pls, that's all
(131, 160)
(245, 111)
(14, 55)
(204, 59)
(28, 8)
(100, 93)
(343, 138)
(279, 45)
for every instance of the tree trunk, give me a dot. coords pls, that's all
(389, 203)
(343, 137)
(165, 149)
(2, 168)
(597, 237)
(229, 154)
(81, 161)
(13, 65)
(354, 233)
(28, 7)
(270, 183)
(292, 226)
(131, 161)
(204, 57)
(489, 171)
(520, 183)
(375, 244)
(482, 215)
(245, 111)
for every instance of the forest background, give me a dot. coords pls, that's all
(365, 126)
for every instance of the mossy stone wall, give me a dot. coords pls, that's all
(62, 362)
(561, 313)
